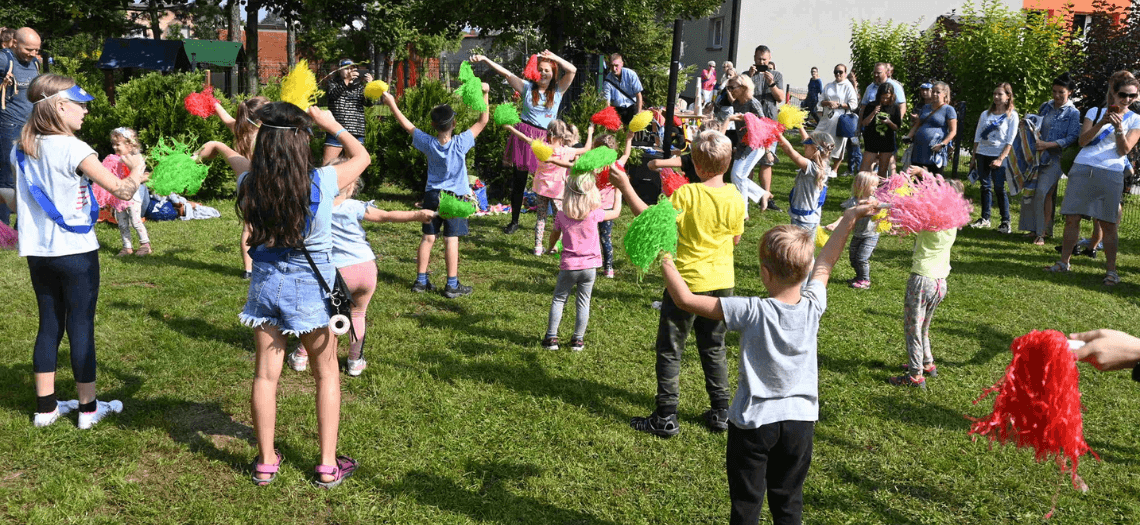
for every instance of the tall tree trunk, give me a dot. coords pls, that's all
(234, 30)
(253, 70)
(291, 43)
(155, 20)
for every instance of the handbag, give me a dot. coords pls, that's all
(338, 297)
(847, 126)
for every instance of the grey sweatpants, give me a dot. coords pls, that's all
(566, 280)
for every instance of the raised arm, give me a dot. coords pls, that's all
(515, 82)
(358, 160)
(702, 305)
(517, 133)
(616, 211)
(237, 162)
(838, 240)
(800, 161)
(620, 180)
(568, 70)
(221, 112)
(390, 101)
(121, 188)
(659, 164)
(628, 149)
(485, 116)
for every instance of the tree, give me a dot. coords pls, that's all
(1111, 44)
(54, 19)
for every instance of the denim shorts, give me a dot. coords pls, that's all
(286, 294)
(331, 140)
(450, 227)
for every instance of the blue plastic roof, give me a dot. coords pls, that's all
(144, 53)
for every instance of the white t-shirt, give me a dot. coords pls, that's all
(1001, 136)
(56, 172)
(1103, 154)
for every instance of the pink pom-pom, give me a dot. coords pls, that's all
(602, 179)
(927, 204)
(607, 118)
(671, 180)
(531, 71)
(201, 104)
(761, 132)
(115, 165)
(1038, 402)
(8, 237)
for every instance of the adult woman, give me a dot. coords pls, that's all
(1060, 126)
(936, 129)
(744, 158)
(837, 99)
(708, 85)
(880, 122)
(729, 72)
(993, 140)
(58, 239)
(540, 102)
(346, 101)
(815, 87)
(1097, 178)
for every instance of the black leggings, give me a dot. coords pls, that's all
(518, 186)
(67, 289)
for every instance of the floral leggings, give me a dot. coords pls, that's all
(923, 295)
(605, 235)
(541, 207)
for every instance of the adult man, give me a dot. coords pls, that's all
(769, 91)
(880, 76)
(815, 87)
(623, 89)
(19, 66)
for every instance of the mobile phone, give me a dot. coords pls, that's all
(1114, 108)
(760, 68)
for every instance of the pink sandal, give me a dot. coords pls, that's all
(263, 468)
(344, 468)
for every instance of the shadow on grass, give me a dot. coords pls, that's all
(168, 257)
(192, 327)
(19, 393)
(530, 378)
(1114, 453)
(991, 343)
(492, 501)
(910, 407)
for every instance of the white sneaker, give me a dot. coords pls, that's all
(980, 223)
(298, 362)
(61, 408)
(102, 408)
(356, 366)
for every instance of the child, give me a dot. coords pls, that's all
(577, 225)
(709, 226)
(244, 127)
(288, 206)
(865, 236)
(56, 236)
(805, 203)
(551, 174)
(776, 405)
(606, 227)
(447, 171)
(353, 257)
(924, 292)
(125, 142)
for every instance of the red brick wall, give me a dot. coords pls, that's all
(272, 52)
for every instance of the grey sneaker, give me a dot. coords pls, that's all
(716, 419)
(355, 367)
(421, 288)
(459, 290)
(1004, 227)
(980, 223)
(656, 425)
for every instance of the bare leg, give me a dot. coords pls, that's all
(270, 344)
(322, 358)
(423, 255)
(1069, 240)
(450, 256)
(884, 164)
(246, 261)
(1110, 235)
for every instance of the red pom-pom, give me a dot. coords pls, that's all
(201, 104)
(1038, 402)
(761, 132)
(676, 121)
(531, 71)
(607, 118)
(8, 237)
(671, 180)
(602, 179)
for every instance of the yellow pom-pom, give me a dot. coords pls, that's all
(541, 150)
(375, 89)
(791, 116)
(640, 121)
(821, 236)
(883, 225)
(904, 191)
(300, 86)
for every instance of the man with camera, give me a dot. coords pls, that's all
(770, 92)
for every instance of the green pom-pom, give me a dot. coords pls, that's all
(465, 71)
(652, 232)
(472, 91)
(175, 169)
(453, 208)
(594, 160)
(506, 114)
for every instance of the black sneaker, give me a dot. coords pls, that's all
(717, 419)
(246, 276)
(657, 425)
(577, 344)
(421, 288)
(459, 290)
(772, 206)
(550, 343)
(511, 228)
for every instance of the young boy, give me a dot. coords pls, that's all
(709, 226)
(447, 171)
(772, 419)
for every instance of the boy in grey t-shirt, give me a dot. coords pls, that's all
(772, 417)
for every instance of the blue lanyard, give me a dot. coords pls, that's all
(49, 207)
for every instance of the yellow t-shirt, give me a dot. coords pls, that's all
(709, 219)
(932, 253)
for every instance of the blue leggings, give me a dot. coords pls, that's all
(67, 289)
(605, 235)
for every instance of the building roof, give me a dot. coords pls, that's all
(219, 53)
(144, 53)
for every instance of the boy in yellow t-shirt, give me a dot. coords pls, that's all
(709, 226)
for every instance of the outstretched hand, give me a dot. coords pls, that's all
(1108, 349)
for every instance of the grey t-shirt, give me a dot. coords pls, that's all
(764, 94)
(779, 373)
(865, 226)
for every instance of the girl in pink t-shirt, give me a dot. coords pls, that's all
(577, 225)
(550, 176)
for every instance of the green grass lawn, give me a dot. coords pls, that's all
(462, 418)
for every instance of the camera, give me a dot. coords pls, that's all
(760, 68)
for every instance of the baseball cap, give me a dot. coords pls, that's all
(346, 62)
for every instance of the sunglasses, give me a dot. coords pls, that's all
(1127, 95)
(838, 72)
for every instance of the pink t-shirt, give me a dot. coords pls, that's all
(609, 194)
(550, 178)
(580, 247)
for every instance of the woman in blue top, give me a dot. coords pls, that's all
(1060, 127)
(937, 126)
(540, 102)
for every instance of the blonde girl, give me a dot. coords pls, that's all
(577, 225)
(865, 234)
(550, 176)
(125, 142)
(810, 188)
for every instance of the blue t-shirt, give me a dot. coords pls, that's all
(319, 237)
(629, 82)
(447, 163)
(350, 245)
(540, 114)
(18, 108)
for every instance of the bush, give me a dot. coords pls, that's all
(1109, 47)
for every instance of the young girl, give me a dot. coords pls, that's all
(550, 176)
(577, 225)
(288, 206)
(924, 292)
(125, 142)
(865, 234)
(57, 237)
(352, 255)
(993, 140)
(805, 203)
(880, 122)
(609, 195)
(244, 127)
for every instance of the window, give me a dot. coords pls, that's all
(716, 33)
(1082, 23)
